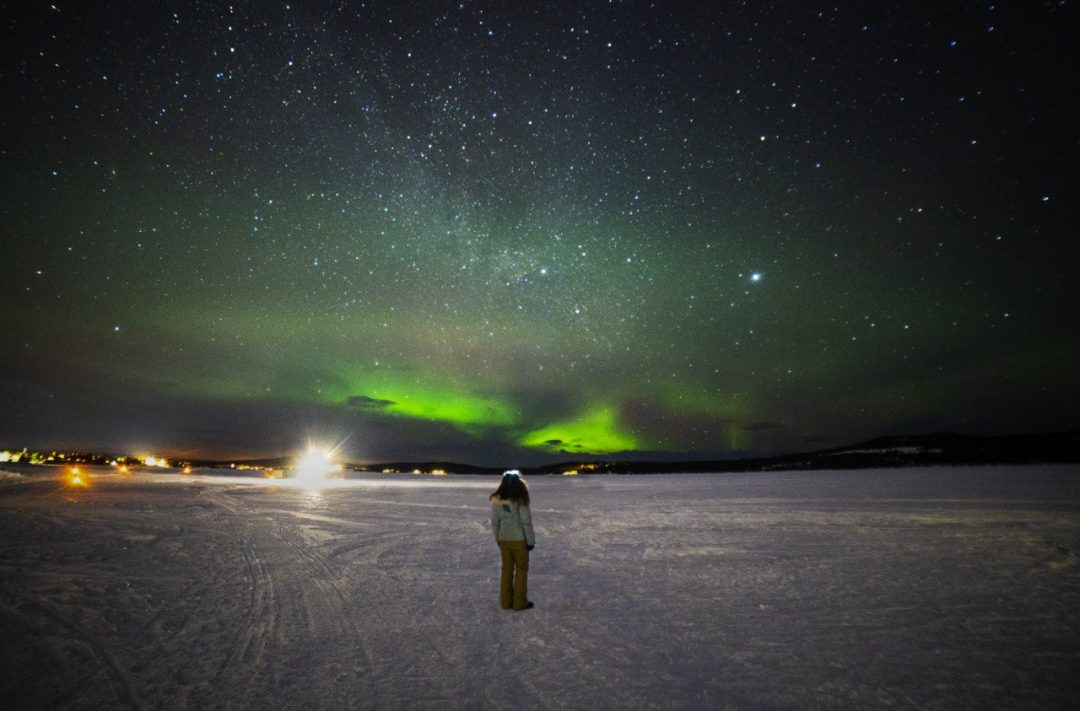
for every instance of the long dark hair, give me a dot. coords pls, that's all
(512, 488)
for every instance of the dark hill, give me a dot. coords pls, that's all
(940, 448)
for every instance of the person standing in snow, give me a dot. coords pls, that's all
(511, 521)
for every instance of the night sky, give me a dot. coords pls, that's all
(520, 232)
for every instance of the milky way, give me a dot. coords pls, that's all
(522, 232)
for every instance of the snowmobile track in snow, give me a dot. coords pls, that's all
(247, 652)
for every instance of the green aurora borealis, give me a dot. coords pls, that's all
(498, 235)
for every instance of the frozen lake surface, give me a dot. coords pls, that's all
(932, 588)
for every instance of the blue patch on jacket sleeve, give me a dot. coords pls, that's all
(506, 507)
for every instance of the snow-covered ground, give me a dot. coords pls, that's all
(933, 588)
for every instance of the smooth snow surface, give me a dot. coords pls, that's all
(932, 588)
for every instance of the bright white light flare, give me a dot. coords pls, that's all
(316, 465)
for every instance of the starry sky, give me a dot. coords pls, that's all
(516, 233)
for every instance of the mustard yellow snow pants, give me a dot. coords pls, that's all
(514, 581)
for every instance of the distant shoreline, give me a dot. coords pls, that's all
(939, 449)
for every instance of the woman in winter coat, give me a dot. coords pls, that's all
(511, 521)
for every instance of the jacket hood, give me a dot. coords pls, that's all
(496, 500)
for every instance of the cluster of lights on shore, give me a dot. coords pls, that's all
(75, 476)
(316, 465)
(313, 466)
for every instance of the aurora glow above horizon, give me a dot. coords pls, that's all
(517, 235)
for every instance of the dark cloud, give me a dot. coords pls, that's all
(363, 402)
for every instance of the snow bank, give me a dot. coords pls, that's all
(9, 477)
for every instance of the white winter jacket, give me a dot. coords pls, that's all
(511, 521)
